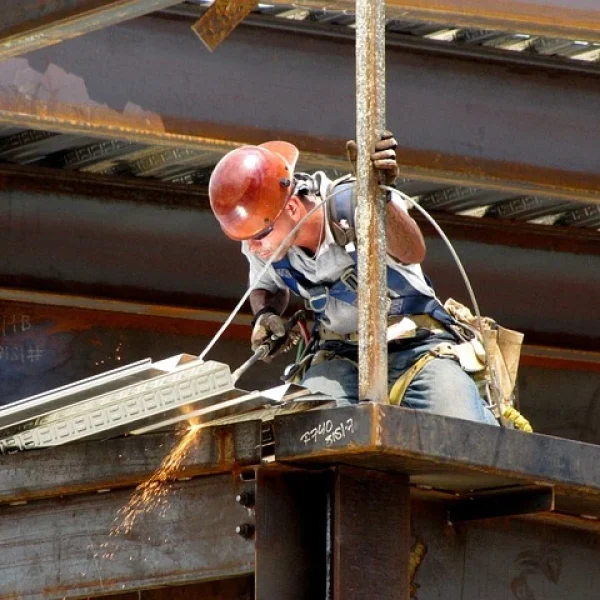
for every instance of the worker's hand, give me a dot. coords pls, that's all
(383, 157)
(270, 328)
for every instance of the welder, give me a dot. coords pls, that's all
(259, 199)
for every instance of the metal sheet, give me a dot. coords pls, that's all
(173, 384)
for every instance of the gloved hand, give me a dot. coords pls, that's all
(383, 157)
(269, 326)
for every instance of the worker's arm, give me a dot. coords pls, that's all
(260, 300)
(405, 241)
(267, 308)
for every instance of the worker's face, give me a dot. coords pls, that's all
(267, 245)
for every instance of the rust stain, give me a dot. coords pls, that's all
(417, 554)
(225, 445)
(220, 20)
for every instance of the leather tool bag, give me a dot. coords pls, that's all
(501, 359)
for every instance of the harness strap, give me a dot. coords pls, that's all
(443, 350)
(401, 385)
(345, 290)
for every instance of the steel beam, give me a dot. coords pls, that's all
(93, 466)
(292, 534)
(474, 118)
(30, 25)
(574, 19)
(371, 534)
(73, 547)
(443, 453)
(331, 534)
(130, 244)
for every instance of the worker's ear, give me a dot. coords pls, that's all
(294, 207)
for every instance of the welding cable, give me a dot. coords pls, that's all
(304, 330)
(412, 204)
(269, 262)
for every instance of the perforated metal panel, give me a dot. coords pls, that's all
(119, 410)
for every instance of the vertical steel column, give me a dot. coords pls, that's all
(292, 534)
(371, 535)
(370, 124)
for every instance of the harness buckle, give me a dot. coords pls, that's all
(349, 279)
(318, 299)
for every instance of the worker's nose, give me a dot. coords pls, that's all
(254, 245)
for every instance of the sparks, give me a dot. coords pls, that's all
(153, 492)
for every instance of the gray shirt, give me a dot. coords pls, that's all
(326, 267)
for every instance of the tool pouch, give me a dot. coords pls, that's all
(497, 349)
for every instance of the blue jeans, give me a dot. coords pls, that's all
(441, 387)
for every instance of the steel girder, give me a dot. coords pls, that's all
(314, 527)
(462, 116)
(443, 453)
(107, 239)
(31, 24)
(575, 19)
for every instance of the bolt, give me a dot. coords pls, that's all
(246, 530)
(245, 499)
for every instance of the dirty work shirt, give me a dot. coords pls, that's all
(326, 267)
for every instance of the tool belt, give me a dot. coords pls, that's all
(470, 356)
(399, 328)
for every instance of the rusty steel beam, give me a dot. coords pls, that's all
(370, 226)
(112, 240)
(477, 118)
(571, 19)
(365, 548)
(29, 25)
(124, 462)
(78, 546)
(441, 453)
(292, 537)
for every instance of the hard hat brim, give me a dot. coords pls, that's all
(287, 151)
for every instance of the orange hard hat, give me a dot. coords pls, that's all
(250, 186)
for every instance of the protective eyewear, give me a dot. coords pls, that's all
(261, 235)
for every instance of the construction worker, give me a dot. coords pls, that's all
(259, 199)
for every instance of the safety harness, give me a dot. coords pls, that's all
(405, 301)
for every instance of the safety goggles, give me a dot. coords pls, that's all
(261, 235)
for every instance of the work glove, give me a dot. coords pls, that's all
(383, 157)
(270, 328)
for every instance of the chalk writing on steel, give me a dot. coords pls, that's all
(328, 431)
(13, 323)
(12, 350)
